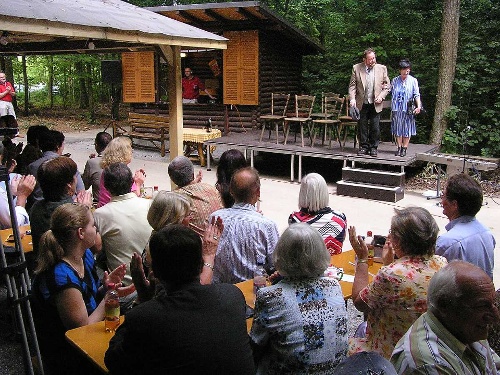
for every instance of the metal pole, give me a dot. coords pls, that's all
(17, 280)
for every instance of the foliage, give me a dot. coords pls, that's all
(396, 29)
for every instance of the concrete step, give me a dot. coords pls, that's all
(370, 176)
(370, 191)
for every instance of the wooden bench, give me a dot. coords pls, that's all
(152, 128)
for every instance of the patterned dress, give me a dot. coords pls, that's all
(329, 223)
(302, 323)
(403, 125)
(396, 298)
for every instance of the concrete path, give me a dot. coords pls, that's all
(280, 196)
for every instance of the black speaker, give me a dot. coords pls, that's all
(111, 71)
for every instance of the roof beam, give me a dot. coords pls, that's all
(216, 16)
(190, 17)
(247, 14)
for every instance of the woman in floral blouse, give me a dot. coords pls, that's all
(300, 323)
(397, 296)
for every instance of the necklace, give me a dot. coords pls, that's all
(79, 265)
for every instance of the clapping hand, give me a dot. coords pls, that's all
(358, 244)
(388, 252)
(211, 235)
(115, 277)
(144, 286)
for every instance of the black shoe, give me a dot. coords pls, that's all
(403, 152)
(373, 152)
(397, 152)
(363, 151)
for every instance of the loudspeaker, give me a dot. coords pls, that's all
(111, 71)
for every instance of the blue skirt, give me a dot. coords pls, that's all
(402, 124)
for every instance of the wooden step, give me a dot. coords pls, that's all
(370, 191)
(371, 176)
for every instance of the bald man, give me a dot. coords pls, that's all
(248, 238)
(450, 338)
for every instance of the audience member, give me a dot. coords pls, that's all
(52, 146)
(67, 293)
(188, 328)
(122, 222)
(204, 197)
(315, 211)
(20, 188)
(397, 295)
(467, 239)
(494, 331)
(230, 161)
(248, 238)
(119, 150)
(365, 363)
(31, 151)
(173, 208)
(92, 172)
(57, 178)
(300, 323)
(10, 152)
(450, 338)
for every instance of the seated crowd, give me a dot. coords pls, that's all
(428, 310)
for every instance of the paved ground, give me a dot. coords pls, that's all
(279, 198)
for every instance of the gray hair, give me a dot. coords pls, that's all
(313, 193)
(301, 252)
(168, 208)
(444, 291)
(415, 230)
(181, 171)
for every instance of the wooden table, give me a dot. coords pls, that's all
(93, 341)
(195, 137)
(26, 240)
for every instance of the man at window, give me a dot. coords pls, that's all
(191, 87)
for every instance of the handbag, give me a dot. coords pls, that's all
(410, 107)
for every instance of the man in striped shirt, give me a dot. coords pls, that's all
(248, 239)
(450, 338)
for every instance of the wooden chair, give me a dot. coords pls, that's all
(303, 109)
(279, 107)
(332, 110)
(324, 95)
(385, 121)
(347, 122)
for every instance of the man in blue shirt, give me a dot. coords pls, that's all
(467, 239)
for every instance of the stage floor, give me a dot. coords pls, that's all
(249, 140)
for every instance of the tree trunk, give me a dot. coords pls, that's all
(84, 98)
(448, 59)
(50, 84)
(90, 93)
(26, 88)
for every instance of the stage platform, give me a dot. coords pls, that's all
(249, 141)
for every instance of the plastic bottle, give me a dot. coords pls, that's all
(371, 247)
(111, 309)
(155, 191)
(143, 191)
(259, 278)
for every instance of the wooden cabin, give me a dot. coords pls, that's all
(264, 55)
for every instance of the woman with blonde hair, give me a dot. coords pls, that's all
(67, 292)
(174, 208)
(119, 150)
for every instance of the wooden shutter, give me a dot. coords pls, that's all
(138, 72)
(241, 68)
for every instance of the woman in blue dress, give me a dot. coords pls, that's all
(66, 290)
(404, 89)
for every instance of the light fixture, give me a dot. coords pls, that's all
(183, 54)
(91, 44)
(3, 39)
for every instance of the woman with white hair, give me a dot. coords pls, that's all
(315, 211)
(300, 323)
